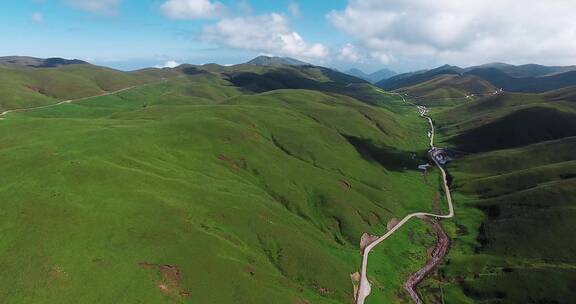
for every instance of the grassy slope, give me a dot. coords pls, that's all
(31, 87)
(514, 226)
(507, 120)
(245, 194)
(448, 89)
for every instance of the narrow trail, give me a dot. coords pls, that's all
(65, 102)
(364, 287)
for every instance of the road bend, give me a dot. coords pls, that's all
(364, 287)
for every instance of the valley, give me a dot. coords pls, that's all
(206, 180)
(287, 152)
(512, 176)
(184, 176)
(364, 287)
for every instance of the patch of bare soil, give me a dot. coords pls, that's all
(366, 240)
(170, 278)
(320, 289)
(250, 271)
(232, 163)
(57, 272)
(346, 185)
(355, 277)
(392, 223)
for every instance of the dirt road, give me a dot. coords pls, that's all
(65, 102)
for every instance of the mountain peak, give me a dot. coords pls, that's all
(275, 61)
(373, 77)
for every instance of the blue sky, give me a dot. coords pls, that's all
(370, 34)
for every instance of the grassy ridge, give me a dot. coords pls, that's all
(31, 87)
(448, 89)
(515, 196)
(507, 120)
(248, 197)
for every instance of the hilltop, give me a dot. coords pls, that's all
(275, 61)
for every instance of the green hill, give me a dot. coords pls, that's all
(514, 184)
(526, 84)
(25, 87)
(508, 120)
(448, 90)
(414, 78)
(514, 230)
(202, 189)
(437, 83)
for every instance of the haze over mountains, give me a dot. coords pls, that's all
(372, 77)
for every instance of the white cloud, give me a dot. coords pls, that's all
(103, 7)
(294, 10)
(270, 33)
(193, 9)
(168, 64)
(37, 18)
(463, 32)
(382, 57)
(349, 53)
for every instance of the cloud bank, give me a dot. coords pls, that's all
(462, 32)
(269, 33)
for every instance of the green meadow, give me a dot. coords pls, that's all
(515, 189)
(195, 190)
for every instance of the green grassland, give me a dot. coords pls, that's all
(447, 90)
(31, 87)
(515, 190)
(250, 196)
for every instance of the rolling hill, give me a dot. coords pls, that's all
(526, 84)
(205, 184)
(526, 70)
(258, 180)
(529, 78)
(26, 86)
(515, 184)
(448, 89)
(414, 78)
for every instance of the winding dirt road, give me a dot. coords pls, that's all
(364, 287)
(65, 102)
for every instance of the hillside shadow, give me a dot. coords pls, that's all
(388, 157)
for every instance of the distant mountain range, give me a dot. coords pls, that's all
(24, 61)
(373, 77)
(446, 81)
(531, 78)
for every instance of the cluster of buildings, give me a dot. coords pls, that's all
(440, 156)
